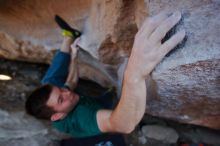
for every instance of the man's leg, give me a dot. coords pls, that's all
(67, 41)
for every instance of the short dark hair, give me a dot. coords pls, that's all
(36, 103)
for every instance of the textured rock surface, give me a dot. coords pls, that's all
(160, 133)
(28, 31)
(16, 130)
(28, 26)
(184, 87)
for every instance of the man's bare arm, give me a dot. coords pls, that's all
(72, 78)
(146, 53)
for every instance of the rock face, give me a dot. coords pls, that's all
(160, 133)
(184, 87)
(24, 133)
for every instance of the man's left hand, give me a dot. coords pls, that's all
(74, 48)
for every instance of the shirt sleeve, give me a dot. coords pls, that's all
(58, 70)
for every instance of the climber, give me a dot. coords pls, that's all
(81, 116)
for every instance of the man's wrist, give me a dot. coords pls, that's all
(132, 76)
(74, 56)
(67, 85)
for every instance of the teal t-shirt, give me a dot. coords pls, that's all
(81, 121)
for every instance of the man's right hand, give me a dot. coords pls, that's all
(148, 50)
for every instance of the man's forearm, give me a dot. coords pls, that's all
(72, 78)
(131, 107)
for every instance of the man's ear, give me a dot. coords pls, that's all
(57, 116)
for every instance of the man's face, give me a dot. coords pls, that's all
(62, 100)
